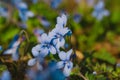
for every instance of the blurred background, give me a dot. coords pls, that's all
(95, 26)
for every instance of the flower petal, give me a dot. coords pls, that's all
(67, 68)
(62, 55)
(29, 14)
(32, 62)
(36, 50)
(60, 64)
(43, 37)
(52, 50)
(69, 53)
(44, 51)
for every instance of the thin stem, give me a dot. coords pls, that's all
(80, 74)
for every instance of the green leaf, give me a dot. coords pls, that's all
(105, 56)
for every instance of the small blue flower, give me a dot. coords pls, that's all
(4, 12)
(46, 46)
(34, 1)
(24, 13)
(55, 3)
(6, 75)
(77, 18)
(58, 34)
(44, 22)
(13, 47)
(65, 62)
(99, 11)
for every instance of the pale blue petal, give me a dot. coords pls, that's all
(62, 55)
(29, 14)
(52, 50)
(60, 64)
(67, 68)
(36, 50)
(64, 19)
(22, 5)
(43, 37)
(44, 51)
(32, 62)
(39, 66)
(69, 54)
(15, 56)
(61, 42)
(5, 75)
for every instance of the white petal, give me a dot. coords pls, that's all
(36, 50)
(32, 62)
(15, 56)
(62, 55)
(52, 50)
(64, 18)
(60, 64)
(39, 66)
(67, 69)
(59, 20)
(9, 51)
(44, 52)
(60, 42)
(22, 5)
(43, 37)
(69, 53)
(29, 14)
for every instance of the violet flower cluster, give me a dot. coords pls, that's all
(52, 43)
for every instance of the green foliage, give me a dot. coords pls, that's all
(105, 56)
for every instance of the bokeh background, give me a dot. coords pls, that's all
(95, 26)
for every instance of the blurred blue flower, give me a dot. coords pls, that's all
(99, 11)
(77, 18)
(38, 33)
(44, 22)
(62, 20)
(13, 47)
(34, 1)
(24, 13)
(15, 2)
(65, 62)
(0, 47)
(4, 12)
(5, 75)
(55, 3)
(37, 61)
